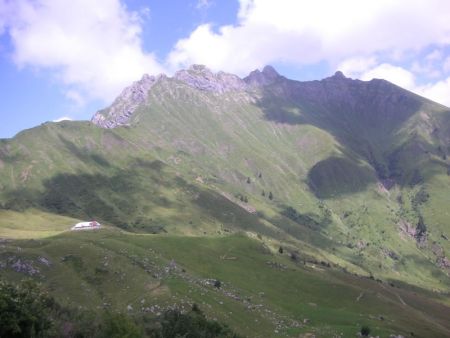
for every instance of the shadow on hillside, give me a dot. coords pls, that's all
(336, 176)
(123, 198)
(84, 155)
(364, 117)
(126, 198)
(231, 215)
(304, 228)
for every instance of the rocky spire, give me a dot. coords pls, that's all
(126, 103)
(339, 75)
(262, 78)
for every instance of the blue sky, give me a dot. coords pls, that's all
(67, 59)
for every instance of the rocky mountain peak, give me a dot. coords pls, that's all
(201, 77)
(339, 75)
(262, 78)
(126, 103)
(197, 76)
(270, 72)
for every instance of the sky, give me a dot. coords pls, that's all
(66, 59)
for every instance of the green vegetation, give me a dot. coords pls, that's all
(323, 193)
(365, 331)
(27, 311)
(261, 292)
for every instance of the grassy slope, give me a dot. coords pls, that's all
(112, 269)
(215, 143)
(186, 155)
(32, 224)
(234, 141)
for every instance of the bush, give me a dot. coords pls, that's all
(25, 310)
(365, 331)
(294, 256)
(120, 326)
(194, 324)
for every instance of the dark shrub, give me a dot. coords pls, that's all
(365, 331)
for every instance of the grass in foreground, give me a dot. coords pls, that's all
(260, 294)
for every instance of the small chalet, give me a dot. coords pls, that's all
(86, 225)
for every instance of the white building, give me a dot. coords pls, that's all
(86, 225)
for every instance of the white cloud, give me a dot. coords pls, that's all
(92, 46)
(95, 47)
(354, 67)
(304, 32)
(439, 91)
(365, 39)
(397, 75)
(63, 118)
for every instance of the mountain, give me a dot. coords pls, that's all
(347, 174)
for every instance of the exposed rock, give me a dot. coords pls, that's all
(197, 76)
(441, 260)
(407, 228)
(120, 112)
(202, 78)
(417, 232)
(361, 244)
(21, 266)
(44, 261)
(257, 78)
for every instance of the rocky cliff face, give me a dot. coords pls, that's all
(196, 76)
(263, 78)
(123, 107)
(200, 77)
(337, 98)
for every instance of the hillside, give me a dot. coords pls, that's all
(349, 173)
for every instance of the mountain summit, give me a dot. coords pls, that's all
(197, 76)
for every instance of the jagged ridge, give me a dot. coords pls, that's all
(196, 76)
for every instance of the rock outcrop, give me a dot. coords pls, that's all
(120, 112)
(265, 77)
(196, 76)
(202, 78)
